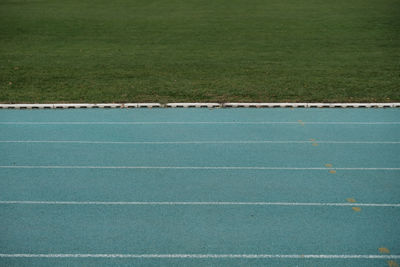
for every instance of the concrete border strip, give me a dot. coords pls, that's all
(193, 105)
(198, 105)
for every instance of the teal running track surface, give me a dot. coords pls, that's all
(200, 187)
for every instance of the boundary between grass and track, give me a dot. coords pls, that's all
(200, 105)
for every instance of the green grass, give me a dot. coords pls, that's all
(199, 50)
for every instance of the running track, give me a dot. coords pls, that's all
(234, 187)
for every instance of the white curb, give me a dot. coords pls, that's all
(25, 106)
(199, 105)
(74, 105)
(265, 105)
(193, 105)
(147, 105)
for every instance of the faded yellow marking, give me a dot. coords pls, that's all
(332, 171)
(351, 200)
(328, 165)
(356, 209)
(384, 250)
(315, 144)
(392, 263)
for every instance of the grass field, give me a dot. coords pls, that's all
(197, 50)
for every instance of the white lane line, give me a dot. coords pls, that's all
(197, 203)
(192, 168)
(204, 256)
(191, 122)
(194, 142)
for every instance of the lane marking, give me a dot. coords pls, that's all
(314, 142)
(198, 142)
(191, 168)
(352, 200)
(329, 166)
(202, 256)
(192, 122)
(198, 203)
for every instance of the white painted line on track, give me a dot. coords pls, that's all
(187, 122)
(195, 142)
(193, 168)
(204, 256)
(196, 203)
